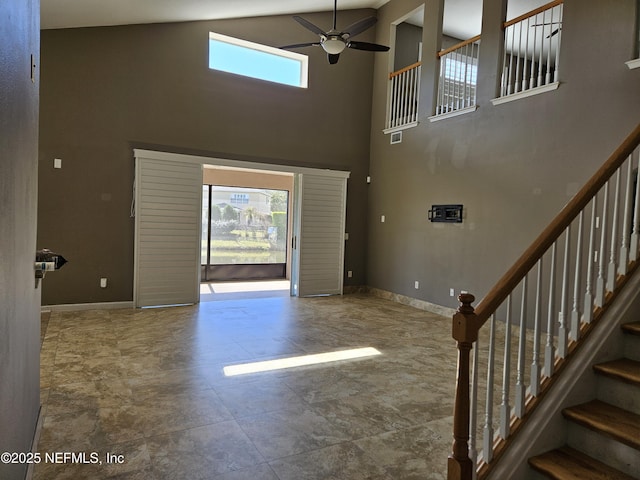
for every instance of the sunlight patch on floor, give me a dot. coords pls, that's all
(299, 361)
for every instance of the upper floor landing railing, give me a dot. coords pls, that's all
(404, 90)
(458, 76)
(532, 49)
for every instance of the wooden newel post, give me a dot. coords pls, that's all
(465, 332)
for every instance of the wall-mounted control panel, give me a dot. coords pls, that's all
(446, 213)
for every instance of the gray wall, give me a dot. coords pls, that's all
(513, 166)
(407, 51)
(19, 299)
(108, 90)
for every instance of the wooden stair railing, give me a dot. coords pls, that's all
(570, 328)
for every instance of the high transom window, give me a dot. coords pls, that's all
(254, 60)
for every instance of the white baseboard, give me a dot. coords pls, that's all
(67, 307)
(413, 302)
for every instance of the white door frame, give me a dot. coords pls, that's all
(201, 160)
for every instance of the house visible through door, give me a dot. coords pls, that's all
(245, 224)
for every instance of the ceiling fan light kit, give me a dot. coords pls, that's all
(333, 45)
(334, 42)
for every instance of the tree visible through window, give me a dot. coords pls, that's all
(243, 225)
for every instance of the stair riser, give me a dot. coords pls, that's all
(632, 347)
(605, 449)
(535, 475)
(618, 393)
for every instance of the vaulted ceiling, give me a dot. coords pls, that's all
(462, 18)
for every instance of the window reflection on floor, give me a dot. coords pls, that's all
(210, 292)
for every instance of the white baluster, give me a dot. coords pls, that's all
(588, 295)
(623, 263)
(548, 71)
(541, 52)
(516, 87)
(521, 388)
(409, 97)
(513, 43)
(403, 99)
(505, 408)
(574, 330)
(600, 282)
(536, 366)
(394, 108)
(465, 97)
(526, 56)
(475, 63)
(611, 272)
(487, 445)
(549, 350)
(473, 414)
(390, 112)
(442, 84)
(456, 84)
(412, 94)
(532, 74)
(633, 248)
(418, 76)
(399, 100)
(503, 80)
(410, 82)
(556, 71)
(445, 84)
(563, 333)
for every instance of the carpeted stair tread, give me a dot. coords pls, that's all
(566, 463)
(608, 420)
(622, 369)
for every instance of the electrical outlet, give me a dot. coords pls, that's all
(350, 274)
(417, 284)
(382, 219)
(452, 292)
(57, 163)
(103, 283)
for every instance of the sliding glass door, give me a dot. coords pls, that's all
(244, 233)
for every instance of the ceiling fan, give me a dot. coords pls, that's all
(334, 41)
(554, 32)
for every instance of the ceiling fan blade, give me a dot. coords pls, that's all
(300, 45)
(308, 25)
(359, 26)
(333, 58)
(370, 47)
(555, 32)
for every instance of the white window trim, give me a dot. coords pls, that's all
(526, 93)
(302, 59)
(633, 63)
(453, 113)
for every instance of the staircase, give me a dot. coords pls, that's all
(524, 382)
(603, 440)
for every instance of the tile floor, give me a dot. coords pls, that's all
(149, 385)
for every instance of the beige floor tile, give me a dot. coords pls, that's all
(149, 385)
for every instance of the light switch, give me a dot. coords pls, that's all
(57, 163)
(382, 218)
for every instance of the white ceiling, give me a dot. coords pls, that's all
(462, 18)
(85, 13)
